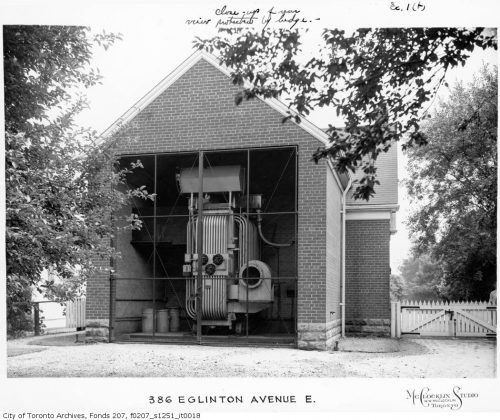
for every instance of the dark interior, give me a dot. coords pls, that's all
(153, 257)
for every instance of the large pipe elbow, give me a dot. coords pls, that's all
(264, 239)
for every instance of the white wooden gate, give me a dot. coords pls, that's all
(449, 319)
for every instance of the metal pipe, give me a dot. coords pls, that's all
(295, 298)
(199, 249)
(111, 278)
(259, 228)
(342, 250)
(342, 247)
(154, 244)
(247, 233)
(175, 278)
(112, 300)
(36, 309)
(269, 213)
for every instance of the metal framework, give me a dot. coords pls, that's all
(151, 247)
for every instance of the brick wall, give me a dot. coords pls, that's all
(198, 112)
(97, 302)
(98, 295)
(367, 276)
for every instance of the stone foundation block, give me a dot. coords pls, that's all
(369, 326)
(319, 336)
(97, 330)
(311, 327)
(312, 345)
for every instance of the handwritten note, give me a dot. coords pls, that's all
(226, 17)
(401, 6)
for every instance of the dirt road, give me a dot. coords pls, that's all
(375, 358)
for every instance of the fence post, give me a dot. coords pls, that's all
(393, 319)
(398, 319)
(36, 320)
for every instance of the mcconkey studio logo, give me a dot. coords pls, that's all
(428, 398)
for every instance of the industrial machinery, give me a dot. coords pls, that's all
(235, 281)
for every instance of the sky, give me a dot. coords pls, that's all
(152, 47)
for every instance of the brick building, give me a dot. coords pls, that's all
(276, 272)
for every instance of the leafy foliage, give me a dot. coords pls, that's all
(421, 279)
(377, 80)
(453, 187)
(59, 186)
(42, 65)
(396, 288)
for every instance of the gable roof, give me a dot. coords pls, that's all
(164, 84)
(180, 70)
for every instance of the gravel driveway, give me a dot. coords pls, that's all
(410, 358)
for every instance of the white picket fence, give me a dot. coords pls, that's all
(449, 319)
(75, 313)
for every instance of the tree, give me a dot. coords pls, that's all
(422, 278)
(378, 80)
(59, 186)
(397, 288)
(453, 187)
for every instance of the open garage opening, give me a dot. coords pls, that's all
(248, 248)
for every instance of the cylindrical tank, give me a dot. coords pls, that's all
(162, 321)
(147, 320)
(174, 319)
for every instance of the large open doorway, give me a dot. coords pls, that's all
(246, 251)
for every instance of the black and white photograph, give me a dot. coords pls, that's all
(218, 209)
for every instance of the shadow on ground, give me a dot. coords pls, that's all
(27, 344)
(73, 339)
(379, 345)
